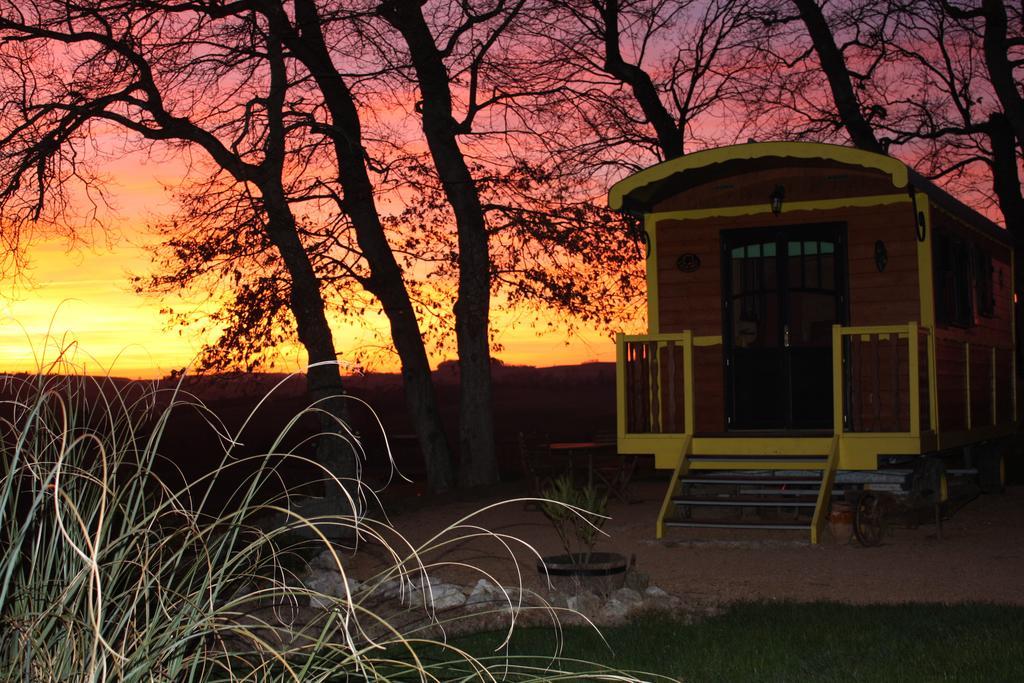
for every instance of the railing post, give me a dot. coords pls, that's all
(1013, 381)
(620, 386)
(837, 380)
(933, 389)
(669, 410)
(914, 372)
(995, 397)
(688, 408)
(967, 383)
(654, 355)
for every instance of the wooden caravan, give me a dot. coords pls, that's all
(813, 309)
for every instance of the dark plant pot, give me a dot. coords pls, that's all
(600, 573)
(840, 521)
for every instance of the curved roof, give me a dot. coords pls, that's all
(639, 189)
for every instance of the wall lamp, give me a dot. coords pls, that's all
(778, 194)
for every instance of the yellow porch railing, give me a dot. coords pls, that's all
(654, 378)
(884, 381)
(885, 399)
(978, 387)
(890, 382)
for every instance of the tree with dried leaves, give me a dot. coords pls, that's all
(279, 216)
(926, 80)
(648, 80)
(220, 78)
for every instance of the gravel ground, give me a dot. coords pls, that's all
(979, 558)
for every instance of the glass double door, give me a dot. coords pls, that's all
(783, 291)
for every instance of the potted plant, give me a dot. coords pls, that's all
(577, 514)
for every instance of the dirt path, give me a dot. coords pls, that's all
(980, 557)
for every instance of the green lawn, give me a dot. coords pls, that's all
(804, 642)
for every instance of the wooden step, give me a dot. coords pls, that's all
(838, 493)
(753, 462)
(737, 524)
(763, 480)
(745, 501)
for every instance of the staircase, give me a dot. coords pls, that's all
(778, 492)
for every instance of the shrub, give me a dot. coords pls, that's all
(577, 513)
(110, 572)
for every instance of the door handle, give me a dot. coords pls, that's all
(785, 335)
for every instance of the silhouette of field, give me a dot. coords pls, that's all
(558, 403)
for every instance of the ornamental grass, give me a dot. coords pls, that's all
(114, 571)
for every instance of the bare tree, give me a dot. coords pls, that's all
(305, 38)
(442, 130)
(927, 80)
(650, 79)
(1002, 47)
(554, 252)
(914, 79)
(214, 77)
(840, 79)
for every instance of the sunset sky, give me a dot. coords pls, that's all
(730, 80)
(84, 293)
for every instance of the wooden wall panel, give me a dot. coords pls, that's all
(694, 300)
(879, 384)
(815, 180)
(924, 393)
(1004, 386)
(951, 367)
(689, 300)
(709, 390)
(888, 297)
(672, 389)
(996, 329)
(982, 384)
(983, 334)
(891, 296)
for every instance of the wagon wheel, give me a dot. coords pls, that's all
(869, 520)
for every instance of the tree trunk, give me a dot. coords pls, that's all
(478, 459)
(420, 397)
(1006, 183)
(1005, 175)
(834, 65)
(385, 281)
(387, 285)
(1000, 71)
(323, 379)
(669, 132)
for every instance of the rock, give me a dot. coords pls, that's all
(445, 595)
(584, 603)
(614, 612)
(513, 599)
(391, 588)
(331, 583)
(627, 596)
(325, 560)
(558, 600)
(655, 593)
(638, 581)
(322, 602)
(484, 594)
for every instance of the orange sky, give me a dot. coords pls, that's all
(84, 295)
